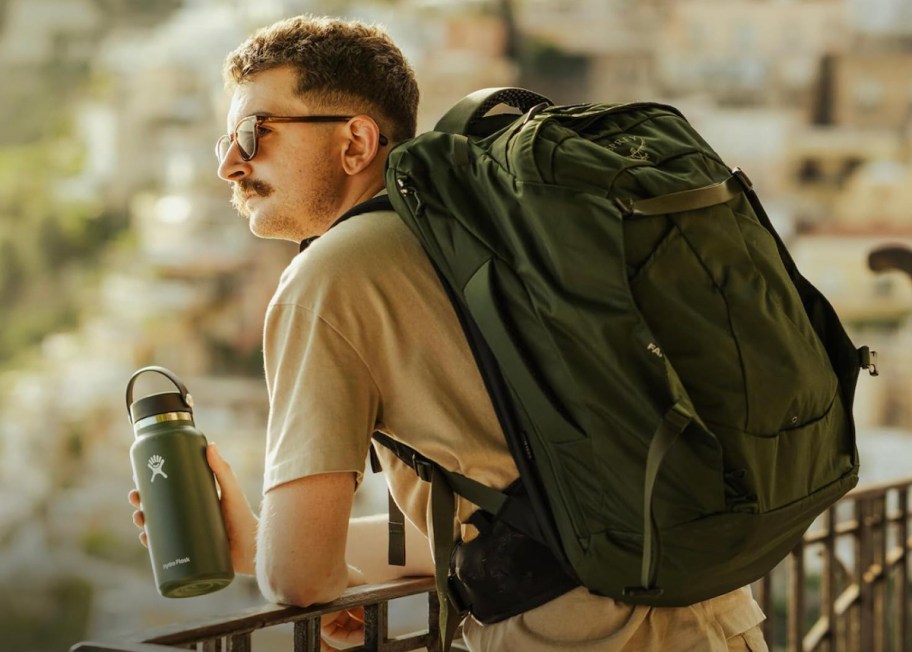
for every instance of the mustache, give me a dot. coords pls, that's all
(244, 187)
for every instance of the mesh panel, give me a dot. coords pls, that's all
(516, 97)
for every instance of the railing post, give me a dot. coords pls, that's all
(828, 579)
(879, 570)
(307, 635)
(376, 629)
(864, 563)
(902, 573)
(795, 625)
(239, 642)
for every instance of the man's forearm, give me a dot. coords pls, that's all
(300, 556)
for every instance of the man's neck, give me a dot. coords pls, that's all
(365, 193)
(369, 205)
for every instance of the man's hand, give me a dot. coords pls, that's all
(240, 520)
(344, 628)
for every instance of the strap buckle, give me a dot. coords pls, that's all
(423, 467)
(868, 360)
(742, 178)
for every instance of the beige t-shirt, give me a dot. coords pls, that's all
(361, 336)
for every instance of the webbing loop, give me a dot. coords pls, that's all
(685, 200)
(673, 424)
(443, 517)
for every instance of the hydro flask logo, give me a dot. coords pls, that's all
(156, 462)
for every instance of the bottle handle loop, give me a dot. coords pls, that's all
(185, 395)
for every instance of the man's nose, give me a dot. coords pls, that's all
(233, 167)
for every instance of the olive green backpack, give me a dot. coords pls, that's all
(676, 395)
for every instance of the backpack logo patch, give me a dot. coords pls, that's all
(633, 147)
(652, 348)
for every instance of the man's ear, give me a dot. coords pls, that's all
(362, 144)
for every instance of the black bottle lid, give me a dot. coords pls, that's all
(158, 403)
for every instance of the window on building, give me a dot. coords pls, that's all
(849, 166)
(745, 40)
(809, 171)
(696, 34)
(884, 287)
(868, 94)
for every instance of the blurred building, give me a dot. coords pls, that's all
(867, 89)
(851, 172)
(752, 53)
(810, 97)
(882, 20)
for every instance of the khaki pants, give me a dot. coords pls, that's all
(581, 622)
(750, 641)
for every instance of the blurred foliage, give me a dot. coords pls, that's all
(34, 97)
(544, 65)
(133, 13)
(108, 546)
(230, 359)
(47, 618)
(48, 241)
(547, 59)
(45, 242)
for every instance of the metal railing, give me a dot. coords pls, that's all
(234, 632)
(845, 588)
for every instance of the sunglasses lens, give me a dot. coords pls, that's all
(246, 137)
(221, 148)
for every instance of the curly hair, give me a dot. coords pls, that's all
(346, 65)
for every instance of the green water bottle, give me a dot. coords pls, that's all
(187, 542)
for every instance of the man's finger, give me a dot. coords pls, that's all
(133, 497)
(224, 474)
(139, 519)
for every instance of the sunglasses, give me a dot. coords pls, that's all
(247, 132)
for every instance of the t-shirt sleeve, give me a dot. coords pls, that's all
(323, 400)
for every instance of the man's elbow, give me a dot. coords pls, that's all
(301, 589)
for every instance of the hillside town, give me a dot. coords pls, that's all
(812, 98)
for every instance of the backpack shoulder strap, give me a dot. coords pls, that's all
(512, 509)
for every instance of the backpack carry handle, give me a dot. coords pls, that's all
(475, 106)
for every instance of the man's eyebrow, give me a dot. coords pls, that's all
(262, 114)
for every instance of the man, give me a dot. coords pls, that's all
(360, 336)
